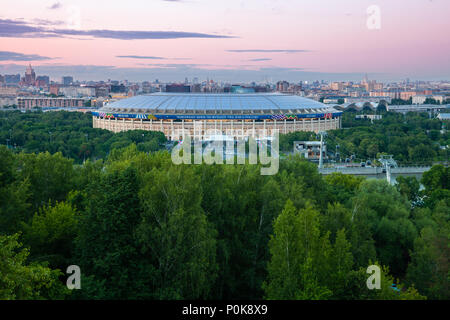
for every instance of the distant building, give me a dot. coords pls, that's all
(118, 88)
(196, 88)
(67, 80)
(54, 89)
(372, 117)
(7, 101)
(42, 81)
(178, 88)
(310, 149)
(333, 100)
(77, 92)
(406, 95)
(102, 91)
(261, 89)
(337, 86)
(421, 99)
(8, 91)
(30, 103)
(282, 86)
(30, 76)
(432, 108)
(12, 78)
(444, 116)
(367, 99)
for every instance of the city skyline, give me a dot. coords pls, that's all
(234, 41)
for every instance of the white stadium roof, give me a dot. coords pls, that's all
(161, 103)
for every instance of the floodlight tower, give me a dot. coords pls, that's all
(322, 134)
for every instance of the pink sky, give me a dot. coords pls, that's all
(413, 39)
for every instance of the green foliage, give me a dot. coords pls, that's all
(106, 243)
(409, 187)
(386, 214)
(436, 182)
(70, 133)
(175, 236)
(51, 234)
(411, 138)
(429, 269)
(21, 281)
(342, 187)
(14, 194)
(50, 176)
(242, 205)
(300, 256)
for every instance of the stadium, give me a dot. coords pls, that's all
(234, 115)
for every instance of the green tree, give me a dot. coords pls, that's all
(106, 244)
(386, 215)
(429, 267)
(409, 187)
(341, 260)
(14, 194)
(51, 234)
(51, 177)
(177, 240)
(20, 281)
(300, 256)
(436, 182)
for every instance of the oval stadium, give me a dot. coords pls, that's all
(238, 115)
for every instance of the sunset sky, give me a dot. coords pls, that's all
(234, 40)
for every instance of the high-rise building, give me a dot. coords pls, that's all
(282, 86)
(67, 80)
(30, 76)
(337, 86)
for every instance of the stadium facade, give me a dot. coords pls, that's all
(236, 115)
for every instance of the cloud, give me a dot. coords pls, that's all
(151, 58)
(142, 57)
(16, 56)
(267, 50)
(17, 29)
(136, 35)
(21, 29)
(55, 6)
(46, 22)
(260, 59)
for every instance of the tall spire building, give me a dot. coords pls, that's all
(30, 76)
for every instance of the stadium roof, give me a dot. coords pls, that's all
(167, 103)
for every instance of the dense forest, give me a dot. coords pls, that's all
(141, 227)
(70, 133)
